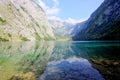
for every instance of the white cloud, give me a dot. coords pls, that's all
(74, 21)
(56, 2)
(42, 4)
(54, 18)
(50, 10)
(69, 20)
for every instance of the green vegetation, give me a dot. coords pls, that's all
(2, 21)
(4, 36)
(23, 60)
(9, 6)
(24, 38)
(48, 38)
(9, 35)
(64, 39)
(3, 39)
(37, 37)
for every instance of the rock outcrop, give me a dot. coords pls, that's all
(23, 20)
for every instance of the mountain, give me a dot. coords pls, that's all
(78, 27)
(104, 23)
(23, 20)
(61, 29)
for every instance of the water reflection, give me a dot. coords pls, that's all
(70, 69)
(87, 50)
(48, 60)
(100, 50)
(20, 61)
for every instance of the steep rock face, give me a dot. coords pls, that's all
(103, 23)
(61, 29)
(78, 27)
(23, 20)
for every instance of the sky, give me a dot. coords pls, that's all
(69, 10)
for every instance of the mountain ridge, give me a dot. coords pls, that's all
(61, 29)
(103, 23)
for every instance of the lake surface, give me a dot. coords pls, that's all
(49, 60)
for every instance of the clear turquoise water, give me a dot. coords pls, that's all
(50, 60)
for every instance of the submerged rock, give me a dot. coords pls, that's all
(110, 69)
(26, 76)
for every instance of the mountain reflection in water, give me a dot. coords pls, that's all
(48, 60)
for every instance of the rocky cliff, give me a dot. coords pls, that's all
(23, 20)
(104, 23)
(61, 29)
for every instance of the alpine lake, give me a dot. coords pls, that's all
(55, 60)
